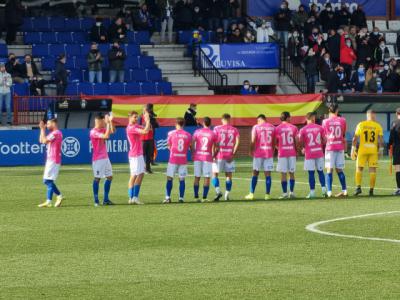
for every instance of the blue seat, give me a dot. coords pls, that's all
(20, 89)
(107, 22)
(101, 88)
(40, 50)
(41, 24)
(72, 88)
(57, 24)
(56, 49)
(138, 37)
(48, 63)
(132, 88)
(65, 37)
(164, 88)
(117, 88)
(70, 63)
(49, 37)
(132, 49)
(148, 88)
(85, 48)
(132, 62)
(104, 48)
(33, 38)
(73, 49)
(27, 25)
(81, 62)
(3, 50)
(146, 62)
(154, 74)
(87, 23)
(75, 75)
(73, 24)
(138, 75)
(185, 36)
(79, 37)
(85, 88)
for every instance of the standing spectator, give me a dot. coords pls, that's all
(381, 53)
(213, 11)
(190, 115)
(95, 64)
(300, 18)
(30, 71)
(198, 18)
(229, 15)
(327, 18)
(309, 25)
(235, 37)
(364, 52)
(264, 32)
(316, 41)
(117, 30)
(358, 78)
(14, 12)
(5, 93)
(248, 89)
(337, 81)
(282, 23)
(343, 16)
(142, 19)
(311, 67)
(167, 20)
(333, 45)
(148, 139)
(14, 68)
(116, 59)
(98, 32)
(314, 12)
(325, 65)
(219, 37)
(249, 37)
(347, 57)
(183, 15)
(295, 44)
(375, 37)
(353, 37)
(358, 17)
(61, 75)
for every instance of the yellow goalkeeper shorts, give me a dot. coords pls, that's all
(370, 158)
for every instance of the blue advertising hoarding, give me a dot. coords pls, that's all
(243, 56)
(21, 147)
(264, 8)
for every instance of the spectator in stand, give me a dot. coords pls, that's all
(311, 68)
(117, 30)
(229, 14)
(248, 89)
(358, 79)
(249, 37)
(333, 45)
(214, 12)
(309, 25)
(14, 68)
(364, 52)
(353, 37)
(61, 75)
(264, 32)
(95, 64)
(219, 37)
(166, 8)
(358, 17)
(347, 57)
(375, 37)
(325, 65)
(184, 15)
(327, 18)
(343, 16)
(190, 115)
(116, 60)
(375, 83)
(337, 81)
(235, 37)
(391, 81)
(98, 32)
(30, 72)
(295, 44)
(14, 12)
(398, 43)
(381, 53)
(142, 19)
(5, 93)
(198, 18)
(300, 18)
(282, 23)
(314, 11)
(316, 41)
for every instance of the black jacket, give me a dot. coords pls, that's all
(311, 65)
(214, 9)
(328, 20)
(190, 118)
(282, 20)
(61, 74)
(96, 32)
(14, 13)
(335, 84)
(35, 70)
(14, 70)
(324, 69)
(114, 35)
(116, 62)
(333, 45)
(391, 84)
(343, 18)
(358, 19)
(229, 9)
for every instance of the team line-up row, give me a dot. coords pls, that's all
(214, 149)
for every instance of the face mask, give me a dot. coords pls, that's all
(94, 50)
(283, 6)
(263, 26)
(98, 24)
(382, 46)
(327, 59)
(295, 34)
(386, 67)
(315, 33)
(348, 45)
(246, 86)
(361, 69)
(196, 10)
(376, 32)
(328, 9)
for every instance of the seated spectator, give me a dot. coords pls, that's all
(347, 57)
(358, 79)
(190, 115)
(391, 79)
(247, 89)
(327, 18)
(5, 93)
(295, 44)
(316, 41)
(282, 23)
(116, 60)
(98, 32)
(142, 19)
(311, 67)
(95, 64)
(198, 18)
(375, 83)
(214, 14)
(61, 75)
(375, 37)
(229, 14)
(337, 81)
(325, 65)
(219, 37)
(300, 18)
(264, 32)
(381, 53)
(235, 37)
(333, 45)
(31, 72)
(358, 17)
(117, 30)
(14, 68)
(249, 37)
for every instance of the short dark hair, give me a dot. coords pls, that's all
(285, 115)
(310, 115)
(262, 117)
(207, 121)
(180, 122)
(226, 116)
(133, 113)
(99, 116)
(333, 108)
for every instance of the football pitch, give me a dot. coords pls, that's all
(227, 250)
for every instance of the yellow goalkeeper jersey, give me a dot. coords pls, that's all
(368, 132)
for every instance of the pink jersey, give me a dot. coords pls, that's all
(133, 134)
(98, 143)
(312, 135)
(335, 130)
(285, 135)
(178, 142)
(263, 136)
(55, 139)
(204, 139)
(226, 139)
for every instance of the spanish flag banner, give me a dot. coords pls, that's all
(243, 109)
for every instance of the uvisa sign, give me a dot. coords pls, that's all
(243, 56)
(21, 147)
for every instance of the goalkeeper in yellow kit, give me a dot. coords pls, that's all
(369, 137)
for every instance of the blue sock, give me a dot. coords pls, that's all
(342, 179)
(168, 188)
(253, 185)
(215, 182)
(284, 186)
(205, 191)
(329, 180)
(228, 185)
(136, 190)
(268, 183)
(55, 189)
(96, 191)
(311, 180)
(321, 178)
(182, 187)
(291, 184)
(107, 188)
(130, 193)
(196, 191)
(49, 184)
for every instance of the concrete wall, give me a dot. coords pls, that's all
(255, 76)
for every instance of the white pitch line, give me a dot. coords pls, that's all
(314, 227)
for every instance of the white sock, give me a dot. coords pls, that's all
(218, 189)
(226, 193)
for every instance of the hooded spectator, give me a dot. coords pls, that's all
(374, 84)
(327, 18)
(264, 32)
(282, 23)
(358, 17)
(343, 16)
(98, 32)
(61, 75)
